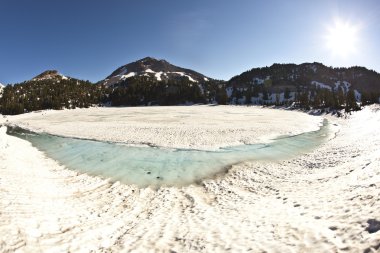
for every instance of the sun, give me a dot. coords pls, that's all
(342, 38)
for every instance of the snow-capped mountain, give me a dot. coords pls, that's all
(159, 70)
(49, 75)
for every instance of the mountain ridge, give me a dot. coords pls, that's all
(275, 79)
(308, 74)
(159, 69)
(150, 81)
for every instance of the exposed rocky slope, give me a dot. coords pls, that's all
(156, 69)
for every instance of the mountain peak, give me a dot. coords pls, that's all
(148, 58)
(159, 70)
(49, 74)
(152, 59)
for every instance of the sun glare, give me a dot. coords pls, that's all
(342, 38)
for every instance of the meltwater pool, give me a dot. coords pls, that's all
(155, 166)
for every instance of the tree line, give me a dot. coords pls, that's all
(50, 94)
(72, 93)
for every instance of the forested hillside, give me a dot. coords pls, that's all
(50, 94)
(156, 82)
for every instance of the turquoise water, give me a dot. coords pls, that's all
(153, 166)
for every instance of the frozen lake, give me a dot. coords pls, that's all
(179, 127)
(154, 166)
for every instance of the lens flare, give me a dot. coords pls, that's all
(342, 38)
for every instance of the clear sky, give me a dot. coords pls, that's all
(88, 39)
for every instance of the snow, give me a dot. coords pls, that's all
(120, 77)
(201, 88)
(272, 98)
(158, 75)
(206, 79)
(321, 85)
(337, 84)
(149, 71)
(344, 85)
(241, 101)
(183, 74)
(314, 68)
(229, 91)
(51, 76)
(191, 79)
(347, 86)
(281, 97)
(123, 77)
(257, 80)
(271, 206)
(358, 95)
(115, 127)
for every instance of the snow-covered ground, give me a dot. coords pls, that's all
(323, 201)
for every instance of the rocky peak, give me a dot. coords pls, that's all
(49, 74)
(156, 69)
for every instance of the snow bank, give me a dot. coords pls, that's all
(323, 201)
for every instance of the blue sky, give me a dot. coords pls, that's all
(88, 39)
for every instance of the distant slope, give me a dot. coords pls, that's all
(280, 76)
(49, 90)
(309, 84)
